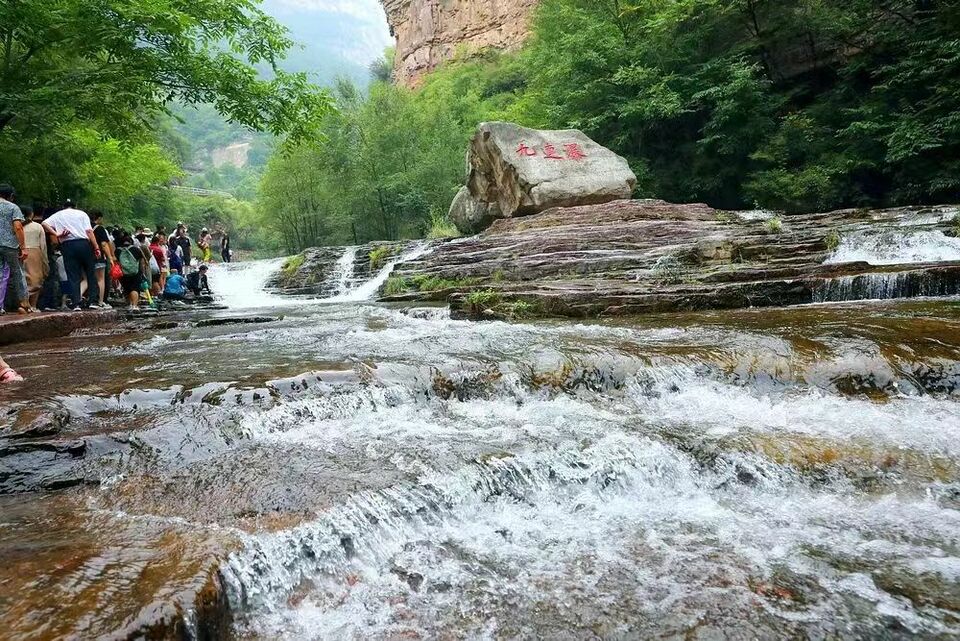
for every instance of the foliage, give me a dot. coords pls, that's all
(800, 105)
(832, 240)
(482, 299)
(441, 227)
(381, 69)
(378, 257)
(774, 225)
(293, 263)
(86, 88)
(119, 62)
(524, 310)
(396, 285)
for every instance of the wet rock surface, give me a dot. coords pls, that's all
(644, 256)
(369, 471)
(314, 271)
(30, 327)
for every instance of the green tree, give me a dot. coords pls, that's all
(116, 62)
(86, 87)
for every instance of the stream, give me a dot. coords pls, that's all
(363, 471)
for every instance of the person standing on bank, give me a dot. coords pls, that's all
(12, 245)
(37, 265)
(107, 256)
(80, 252)
(225, 252)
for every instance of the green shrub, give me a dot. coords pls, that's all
(774, 225)
(441, 227)
(832, 240)
(521, 309)
(294, 263)
(378, 257)
(425, 283)
(396, 285)
(483, 298)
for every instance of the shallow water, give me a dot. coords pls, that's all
(355, 471)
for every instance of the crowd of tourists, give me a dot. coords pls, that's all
(64, 259)
(59, 259)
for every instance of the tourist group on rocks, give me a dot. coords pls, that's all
(65, 259)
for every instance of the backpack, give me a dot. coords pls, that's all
(128, 262)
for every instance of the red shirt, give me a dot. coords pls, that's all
(160, 255)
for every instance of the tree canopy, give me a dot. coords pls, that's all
(797, 105)
(86, 86)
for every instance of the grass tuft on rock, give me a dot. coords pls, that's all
(378, 258)
(294, 263)
(832, 240)
(483, 299)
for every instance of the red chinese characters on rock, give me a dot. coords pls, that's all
(523, 150)
(572, 151)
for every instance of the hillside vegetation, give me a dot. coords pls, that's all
(797, 105)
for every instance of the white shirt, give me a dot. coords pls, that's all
(70, 224)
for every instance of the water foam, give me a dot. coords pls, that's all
(897, 248)
(369, 289)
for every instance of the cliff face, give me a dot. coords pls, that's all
(430, 31)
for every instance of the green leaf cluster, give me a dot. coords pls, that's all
(794, 105)
(87, 88)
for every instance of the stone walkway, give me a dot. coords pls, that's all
(15, 328)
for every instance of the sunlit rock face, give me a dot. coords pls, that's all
(516, 171)
(429, 32)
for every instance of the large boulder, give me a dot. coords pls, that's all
(519, 171)
(472, 216)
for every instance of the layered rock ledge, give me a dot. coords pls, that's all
(641, 256)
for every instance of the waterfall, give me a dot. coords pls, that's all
(884, 286)
(343, 272)
(243, 285)
(369, 289)
(897, 248)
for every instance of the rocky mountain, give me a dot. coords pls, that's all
(431, 31)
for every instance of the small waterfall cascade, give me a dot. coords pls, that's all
(343, 272)
(369, 289)
(885, 286)
(896, 248)
(244, 285)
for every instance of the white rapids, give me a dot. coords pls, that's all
(897, 248)
(387, 473)
(243, 286)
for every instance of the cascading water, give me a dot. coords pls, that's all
(884, 286)
(897, 248)
(369, 289)
(244, 285)
(362, 472)
(343, 271)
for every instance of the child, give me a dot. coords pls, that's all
(64, 281)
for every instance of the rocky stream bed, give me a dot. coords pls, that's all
(342, 468)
